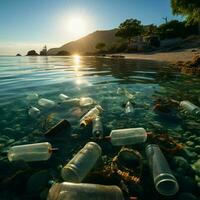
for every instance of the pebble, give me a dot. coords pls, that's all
(8, 130)
(190, 143)
(188, 153)
(181, 162)
(197, 149)
(196, 167)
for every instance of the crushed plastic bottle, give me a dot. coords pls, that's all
(164, 181)
(46, 103)
(84, 191)
(90, 115)
(63, 97)
(128, 107)
(81, 164)
(31, 152)
(97, 127)
(33, 112)
(86, 101)
(190, 107)
(128, 136)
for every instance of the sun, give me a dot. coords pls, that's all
(76, 26)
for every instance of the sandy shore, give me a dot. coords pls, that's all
(172, 57)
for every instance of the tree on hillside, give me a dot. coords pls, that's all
(150, 30)
(44, 51)
(100, 46)
(129, 29)
(188, 8)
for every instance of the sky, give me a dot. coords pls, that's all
(30, 24)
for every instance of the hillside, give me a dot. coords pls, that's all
(87, 44)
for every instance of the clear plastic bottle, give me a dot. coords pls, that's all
(86, 101)
(81, 164)
(190, 107)
(30, 152)
(128, 107)
(74, 101)
(33, 112)
(90, 115)
(46, 103)
(97, 127)
(84, 191)
(164, 180)
(128, 136)
(63, 97)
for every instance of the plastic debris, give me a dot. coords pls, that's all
(92, 114)
(97, 127)
(31, 152)
(128, 136)
(33, 112)
(165, 182)
(128, 107)
(83, 191)
(81, 164)
(190, 107)
(46, 103)
(86, 101)
(32, 96)
(63, 97)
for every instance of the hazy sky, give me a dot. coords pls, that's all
(29, 24)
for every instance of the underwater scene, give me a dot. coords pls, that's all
(130, 126)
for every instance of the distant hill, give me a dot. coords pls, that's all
(87, 44)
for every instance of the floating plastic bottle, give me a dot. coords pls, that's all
(33, 112)
(74, 101)
(46, 103)
(128, 136)
(190, 107)
(32, 96)
(63, 97)
(165, 182)
(89, 116)
(97, 127)
(86, 101)
(31, 152)
(128, 107)
(81, 164)
(84, 191)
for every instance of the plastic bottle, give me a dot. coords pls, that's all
(86, 101)
(30, 152)
(128, 136)
(81, 164)
(84, 191)
(190, 107)
(63, 97)
(46, 103)
(74, 101)
(90, 115)
(32, 96)
(97, 127)
(128, 107)
(164, 180)
(33, 112)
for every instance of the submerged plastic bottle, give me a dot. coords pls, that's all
(63, 97)
(128, 107)
(74, 101)
(30, 152)
(164, 181)
(97, 127)
(128, 136)
(84, 191)
(86, 101)
(46, 103)
(33, 112)
(81, 164)
(190, 107)
(90, 115)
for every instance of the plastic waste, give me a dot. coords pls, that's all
(74, 101)
(33, 112)
(62, 127)
(164, 181)
(46, 103)
(63, 97)
(86, 101)
(190, 107)
(97, 127)
(128, 107)
(84, 191)
(90, 115)
(128, 136)
(81, 164)
(32, 96)
(31, 152)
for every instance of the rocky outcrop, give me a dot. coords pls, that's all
(32, 53)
